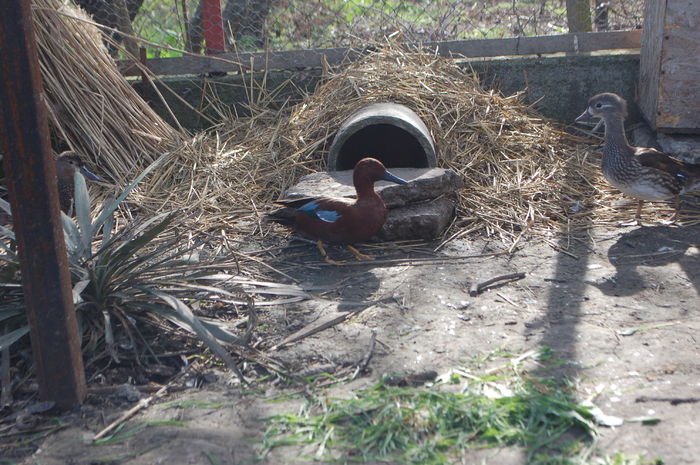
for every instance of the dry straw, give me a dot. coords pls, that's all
(522, 172)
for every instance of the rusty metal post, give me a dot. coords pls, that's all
(213, 25)
(31, 180)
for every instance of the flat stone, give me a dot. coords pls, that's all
(423, 184)
(425, 220)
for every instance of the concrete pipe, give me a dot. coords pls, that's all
(389, 132)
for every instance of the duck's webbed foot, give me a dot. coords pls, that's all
(358, 255)
(637, 221)
(674, 219)
(626, 224)
(329, 260)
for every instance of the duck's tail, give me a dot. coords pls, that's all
(691, 173)
(287, 214)
(284, 216)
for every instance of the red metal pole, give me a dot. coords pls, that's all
(213, 26)
(31, 180)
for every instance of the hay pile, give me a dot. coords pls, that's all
(521, 172)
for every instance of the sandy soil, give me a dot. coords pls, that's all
(623, 305)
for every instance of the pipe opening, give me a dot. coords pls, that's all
(392, 145)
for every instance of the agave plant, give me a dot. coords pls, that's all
(128, 274)
(13, 324)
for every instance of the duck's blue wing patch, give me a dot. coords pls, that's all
(314, 210)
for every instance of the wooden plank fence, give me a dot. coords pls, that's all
(476, 48)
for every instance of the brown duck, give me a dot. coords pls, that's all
(340, 220)
(67, 164)
(640, 172)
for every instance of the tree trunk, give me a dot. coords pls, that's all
(124, 25)
(578, 15)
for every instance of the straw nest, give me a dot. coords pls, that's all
(522, 173)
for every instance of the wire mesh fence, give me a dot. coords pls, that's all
(214, 26)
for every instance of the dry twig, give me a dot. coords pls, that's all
(478, 287)
(142, 404)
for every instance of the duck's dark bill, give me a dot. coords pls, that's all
(585, 116)
(390, 177)
(90, 175)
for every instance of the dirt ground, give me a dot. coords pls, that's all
(621, 304)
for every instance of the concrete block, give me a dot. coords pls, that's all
(425, 220)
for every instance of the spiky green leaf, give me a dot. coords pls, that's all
(82, 214)
(110, 208)
(6, 340)
(5, 206)
(187, 317)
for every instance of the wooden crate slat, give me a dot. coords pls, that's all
(296, 59)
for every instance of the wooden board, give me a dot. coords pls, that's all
(31, 182)
(669, 78)
(299, 59)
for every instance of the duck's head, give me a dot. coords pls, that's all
(374, 170)
(69, 162)
(604, 106)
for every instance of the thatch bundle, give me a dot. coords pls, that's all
(92, 108)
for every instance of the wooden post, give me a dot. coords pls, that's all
(669, 66)
(31, 180)
(213, 26)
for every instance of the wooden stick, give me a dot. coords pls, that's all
(362, 366)
(671, 400)
(6, 390)
(144, 389)
(478, 287)
(322, 323)
(142, 404)
(252, 319)
(326, 321)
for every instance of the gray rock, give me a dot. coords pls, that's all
(684, 147)
(425, 220)
(424, 184)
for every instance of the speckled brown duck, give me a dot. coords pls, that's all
(67, 164)
(640, 172)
